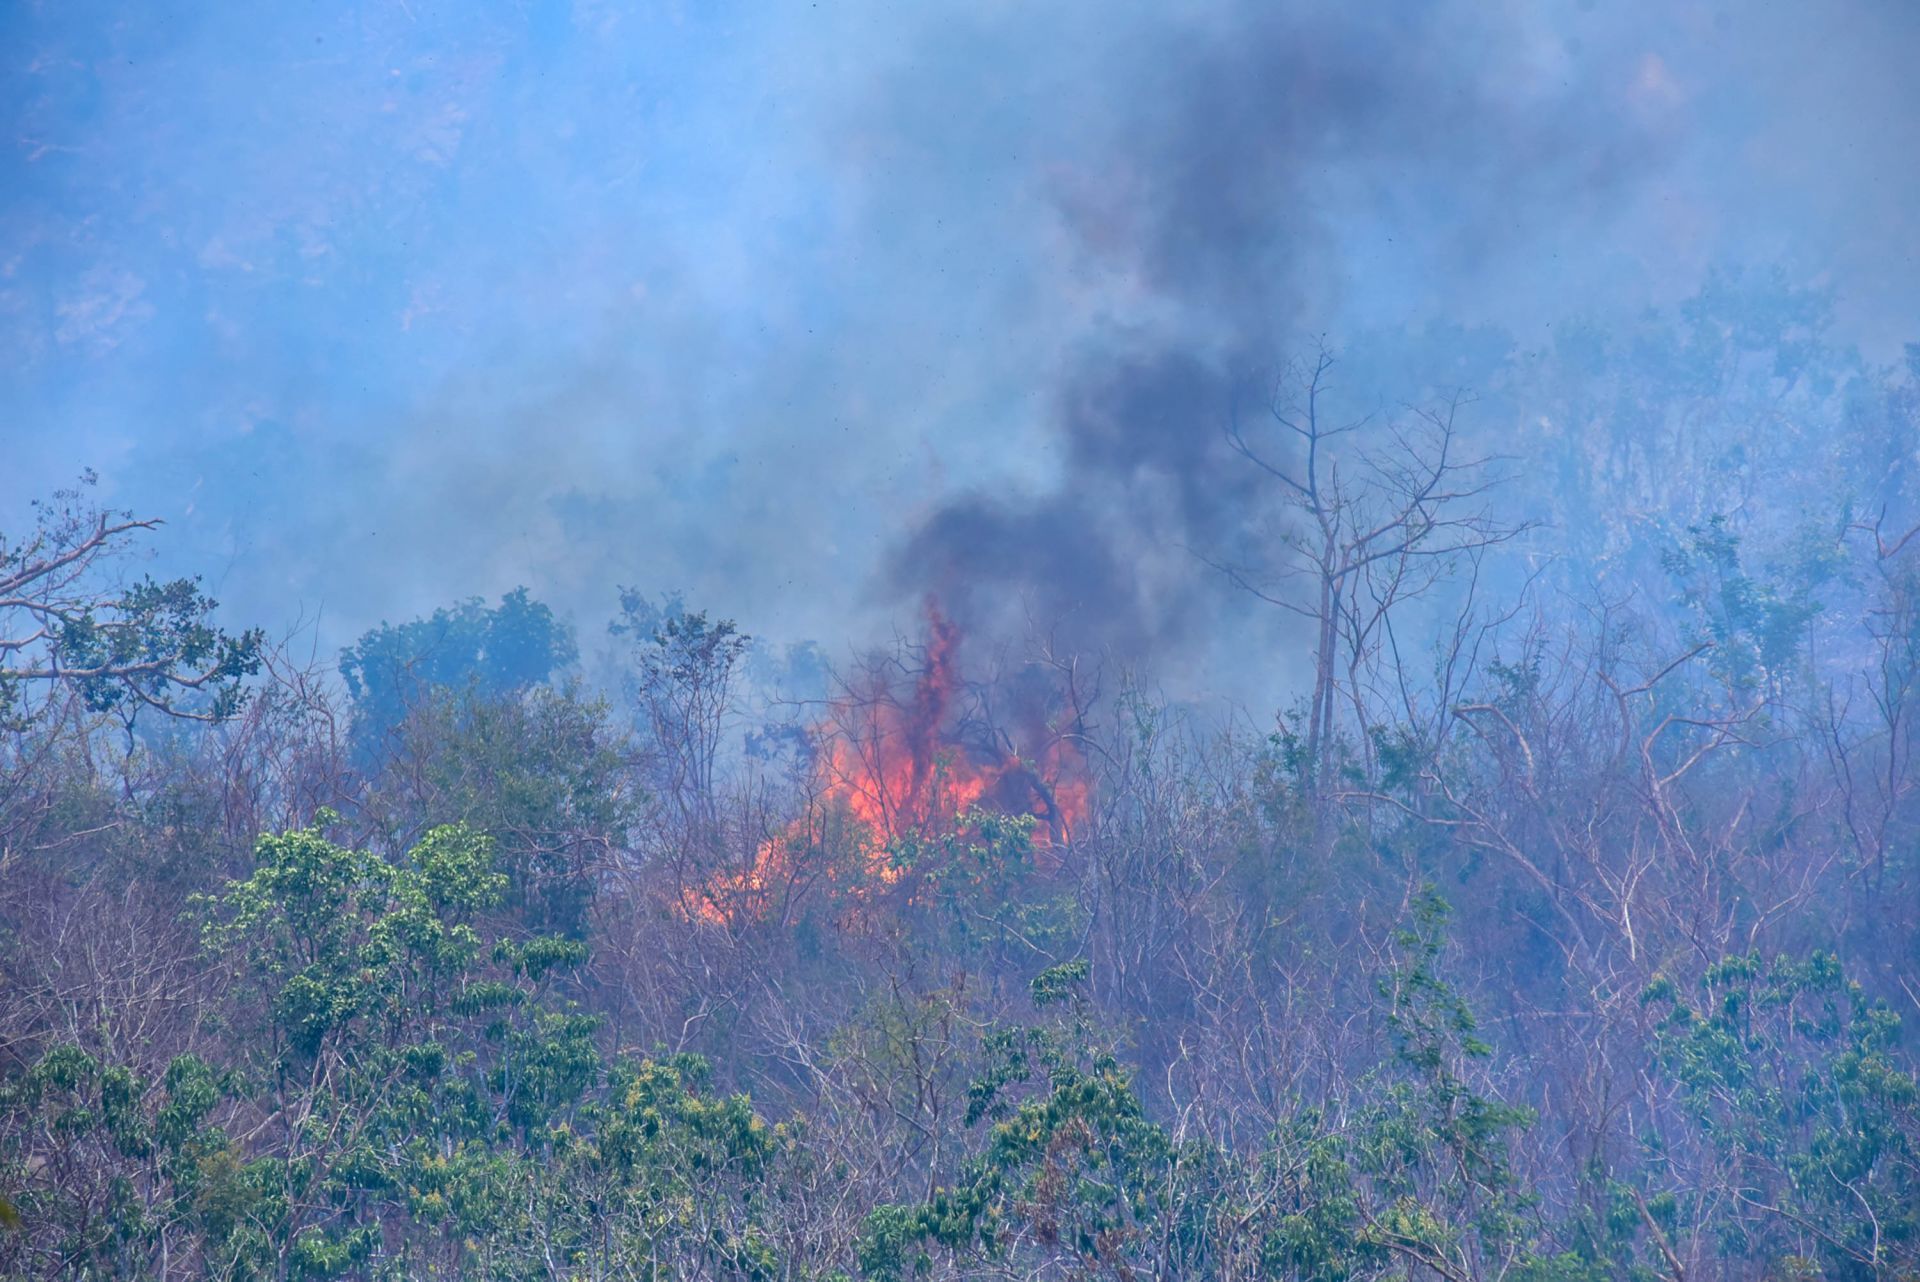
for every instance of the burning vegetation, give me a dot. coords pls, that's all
(910, 752)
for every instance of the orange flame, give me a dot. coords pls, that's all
(903, 767)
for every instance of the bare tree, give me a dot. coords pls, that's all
(1372, 516)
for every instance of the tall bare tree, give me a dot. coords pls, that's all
(1372, 515)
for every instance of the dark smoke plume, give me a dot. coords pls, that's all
(1217, 196)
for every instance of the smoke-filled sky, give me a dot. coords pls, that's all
(806, 309)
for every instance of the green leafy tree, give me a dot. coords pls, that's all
(675, 1180)
(66, 624)
(509, 647)
(542, 772)
(114, 1175)
(1756, 626)
(1805, 1123)
(1072, 1176)
(1434, 1150)
(401, 1054)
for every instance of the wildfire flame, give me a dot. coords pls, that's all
(904, 763)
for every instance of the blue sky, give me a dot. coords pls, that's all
(384, 305)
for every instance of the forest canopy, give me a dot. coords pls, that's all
(1564, 925)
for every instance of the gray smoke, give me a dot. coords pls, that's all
(810, 311)
(1218, 183)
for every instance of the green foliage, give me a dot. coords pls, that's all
(432, 1105)
(1434, 1148)
(122, 649)
(1756, 626)
(421, 1099)
(542, 772)
(1057, 983)
(156, 1157)
(392, 669)
(977, 891)
(678, 1173)
(1073, 1175)
(341, 941)
(683, 649)
(414, 1065)
(135, 651)
(1791, 1075)
(1071, 1168)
